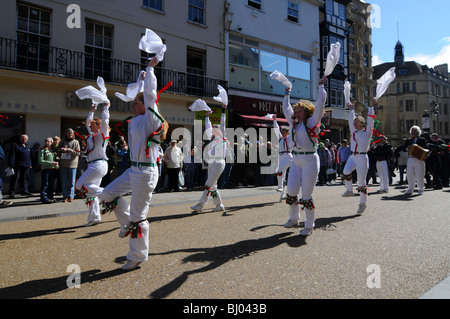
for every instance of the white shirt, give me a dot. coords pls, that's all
(96, 143)
(300, 139)
(141, 126)
(360, 140)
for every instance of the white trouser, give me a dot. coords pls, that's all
(283, 165)
(360, 162)
(415, 171)
(140, 181)
(303, 173)
(215, 169)
(91, 180)
(383, 172)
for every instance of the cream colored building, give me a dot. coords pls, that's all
(49, 49)
(419, 95)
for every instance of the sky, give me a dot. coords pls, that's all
(424, 30)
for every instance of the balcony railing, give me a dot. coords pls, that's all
(55, 61)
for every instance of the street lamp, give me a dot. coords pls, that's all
(435, 111)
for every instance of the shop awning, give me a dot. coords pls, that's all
(261, 121)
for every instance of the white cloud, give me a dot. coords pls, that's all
(431, 60)
(376, 60)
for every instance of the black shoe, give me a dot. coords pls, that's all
(12, 196)
(5, 203)
(26, 194)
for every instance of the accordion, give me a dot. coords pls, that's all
(418, 152)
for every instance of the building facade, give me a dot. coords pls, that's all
(49, 49)
(419, 95)
(264, 36)
(346, 22)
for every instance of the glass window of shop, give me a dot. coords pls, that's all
(250, 69)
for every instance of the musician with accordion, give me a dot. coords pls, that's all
(416, 147)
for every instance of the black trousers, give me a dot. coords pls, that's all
(173, 178)
(22, 175)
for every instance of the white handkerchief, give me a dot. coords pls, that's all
(9, 171)
(132, 90)
(332, 58)
(347, 92)
(277, 75)
(199, 105)
(269, 116)
(89, 92)
(222, 97)
(152, 43)
(384, 81)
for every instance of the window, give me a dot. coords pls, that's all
(98, 48)
(154, 4)
(405, 87)
(255, 4)
(335, 13)
(197, 11)
(250, 69)
(414, 89)
(292, 12)
(33, 36)
(196, 69)
(409, 106)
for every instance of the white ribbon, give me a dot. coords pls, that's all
(199, 105)
(332, 58)
(89, 92)
(277, 75)
(222, 97)
(384, 81)
(152, 43)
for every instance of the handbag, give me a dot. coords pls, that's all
(330, 171)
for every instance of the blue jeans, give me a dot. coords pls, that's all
(68, 181)
(47, 184)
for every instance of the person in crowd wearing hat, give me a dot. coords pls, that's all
(383, 154)
(285, 157)
(415, 168)
(173, 157)
(304, 123)
(97, 162)
(68, 151)
(141, 178)
(214, 155)
(361, 136)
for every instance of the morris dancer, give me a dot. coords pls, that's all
(359, 145)
(415, 168)
(304, 124)
(285, 157)
(215, 153)
(97, 161)
(145, 132)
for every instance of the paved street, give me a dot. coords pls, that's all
(398, 249)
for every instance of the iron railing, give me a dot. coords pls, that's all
(32, 57)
